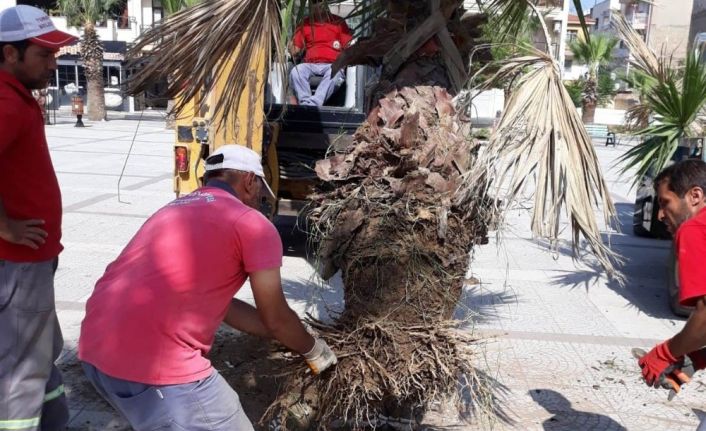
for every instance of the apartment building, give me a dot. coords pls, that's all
(663, 24)
(573, 69)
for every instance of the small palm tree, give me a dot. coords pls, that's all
(674, 96)
(594, 52)
(85, 13)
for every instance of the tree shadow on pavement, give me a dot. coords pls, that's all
(568, 419)
(645, 267)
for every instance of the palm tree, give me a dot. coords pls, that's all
(86, 13)
(594, 52)
(675, 97)
(402, 206)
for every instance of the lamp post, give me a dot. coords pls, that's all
(77, 110)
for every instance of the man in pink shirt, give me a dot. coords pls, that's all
(152, 317)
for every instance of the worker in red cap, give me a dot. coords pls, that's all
(31, 389)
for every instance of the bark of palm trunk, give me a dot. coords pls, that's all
(92, 54)
(412, 110)
(590, 100)
(391, 224)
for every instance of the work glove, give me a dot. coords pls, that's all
(657, 363)
(320, 357)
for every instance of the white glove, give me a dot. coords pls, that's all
(320, 357)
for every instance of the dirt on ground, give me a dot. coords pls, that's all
(251, 365)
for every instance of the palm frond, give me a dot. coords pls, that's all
(541, 136)
(676, 100)
(194, 45)
(582, 19)
(642, 57)
(594, 52)
(510, 17)
(80, 12)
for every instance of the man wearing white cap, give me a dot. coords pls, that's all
(31, 390)
(152, 317)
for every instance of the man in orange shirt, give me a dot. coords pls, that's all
(321, 36)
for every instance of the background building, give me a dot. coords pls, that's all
(574, 31)
(663, 25)
(128, 19)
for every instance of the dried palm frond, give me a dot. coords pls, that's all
(642, 57)
(193, 46)
(541, 136)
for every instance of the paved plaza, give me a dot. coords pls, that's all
(559, 333)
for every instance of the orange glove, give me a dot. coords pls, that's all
(656, 363)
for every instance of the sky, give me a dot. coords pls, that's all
(586, 4)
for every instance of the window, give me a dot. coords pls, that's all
(157, 11)
(572, 35)
(111, 76)
(67, 75)
(568, 64)
(82, 78)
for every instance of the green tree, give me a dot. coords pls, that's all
(594, 53)
(673, 96)
(605, 88)
(85, 14)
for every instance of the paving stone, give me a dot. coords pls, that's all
(562, 331)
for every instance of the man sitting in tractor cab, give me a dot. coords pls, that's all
(321, 37)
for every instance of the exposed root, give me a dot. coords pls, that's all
(385, 369)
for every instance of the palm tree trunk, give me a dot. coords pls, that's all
(92, 53)
(590, 100)
(410, 153)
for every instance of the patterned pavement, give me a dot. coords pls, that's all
(559, 333)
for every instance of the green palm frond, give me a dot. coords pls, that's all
(541, 137)
(512, 14)
(674, 97)
(192, 47)
(80, 12)
(594, 52)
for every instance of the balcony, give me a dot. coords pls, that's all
(551, 4)
(638, 20)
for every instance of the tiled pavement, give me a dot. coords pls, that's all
(560, 334)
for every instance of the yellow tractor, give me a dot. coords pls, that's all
(290, 138)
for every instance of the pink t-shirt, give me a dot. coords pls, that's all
(153, 315)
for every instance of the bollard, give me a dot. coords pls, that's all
(77, 110)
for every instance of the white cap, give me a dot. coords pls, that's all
(24, 22)
(239, 158)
